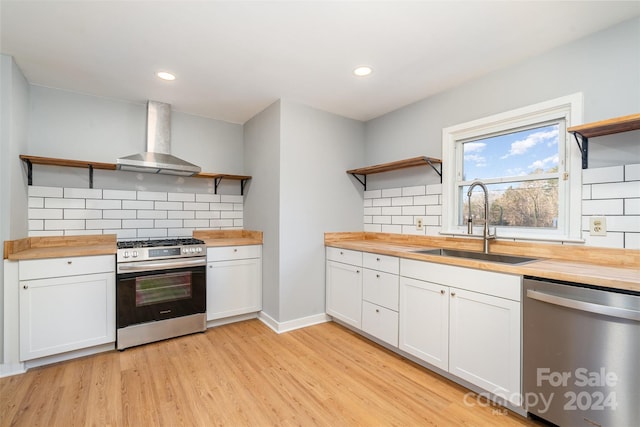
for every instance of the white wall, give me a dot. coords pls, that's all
(605, 67)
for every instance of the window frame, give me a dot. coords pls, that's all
(568, 109)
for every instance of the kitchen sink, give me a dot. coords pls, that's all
(504, 259)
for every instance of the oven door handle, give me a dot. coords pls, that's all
(146, 266)
(607, 310)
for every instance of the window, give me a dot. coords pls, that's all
(528, 163)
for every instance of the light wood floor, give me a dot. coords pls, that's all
(244, 374)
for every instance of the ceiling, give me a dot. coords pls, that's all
(234, 58)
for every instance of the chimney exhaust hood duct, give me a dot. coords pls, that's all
(157, 158)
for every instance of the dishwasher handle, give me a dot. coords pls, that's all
(590, 307)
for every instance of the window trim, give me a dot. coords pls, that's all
(570, 108)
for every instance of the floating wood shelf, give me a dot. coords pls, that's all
(397, 165)
(50, 161)
(602, 128)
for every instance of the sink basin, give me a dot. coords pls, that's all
(505, 259)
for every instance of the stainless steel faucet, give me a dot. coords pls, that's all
(485, 235)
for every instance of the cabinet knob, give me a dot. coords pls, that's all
(25, 286)
(235, 250)
(377, 310)
(377, 259)
(453, 294)
(341, 253)
(357, 271)
(378, 276)
(69, 262)
(442, 291)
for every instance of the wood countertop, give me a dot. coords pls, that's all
(610, 268)
(105, 244)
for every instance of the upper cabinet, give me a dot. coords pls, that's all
(602, 128)
(35, 160)
(400, 164)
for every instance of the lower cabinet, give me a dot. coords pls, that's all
(344, 292)
(66, 313)
(380, 322)
(234, 281)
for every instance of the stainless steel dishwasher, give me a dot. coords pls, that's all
(581, 346)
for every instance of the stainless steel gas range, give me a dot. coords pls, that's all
(160, 290)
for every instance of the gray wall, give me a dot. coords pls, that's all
(604, 66)
(262, 209)
(298, 156)
(14, 102)
(70, 125)
(316, 195)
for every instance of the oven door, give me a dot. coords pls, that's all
(164, 293)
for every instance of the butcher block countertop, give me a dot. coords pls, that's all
(229, 237)
(60, 246)
(610, 268)
(105, 244)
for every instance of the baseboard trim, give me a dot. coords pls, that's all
(290, 325)
(10, 369)
(233, 319)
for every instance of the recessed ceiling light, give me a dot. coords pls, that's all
(362, 71)
(165, 76)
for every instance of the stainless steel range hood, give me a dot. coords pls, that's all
(158, 158)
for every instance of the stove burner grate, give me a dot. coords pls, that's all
(130, 244)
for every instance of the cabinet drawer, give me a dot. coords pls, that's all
(381, 288)
(70, 266)
(226, 253)
(387, 263)
(380, 322)
(345, 256)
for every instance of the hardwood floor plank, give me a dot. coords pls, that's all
(244, 374)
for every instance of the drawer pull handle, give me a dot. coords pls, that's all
(453, 294)
(341, 253)
(377, 259)
(377, 310)
(378, 276)
(442, 291)
(235, 250)
(69, 262)
(357, 271)
(25, 286)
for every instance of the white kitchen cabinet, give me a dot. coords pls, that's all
(464, 321)
(380, 297)
(424, 321)
(234, 281)
(344, 285)
(484, 342)
(66, 304)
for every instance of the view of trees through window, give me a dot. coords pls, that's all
(521, 171)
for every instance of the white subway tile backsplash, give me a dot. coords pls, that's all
(168, 223)
(373, 211)
(373, 194)
(220, 206)
(238, 207)
(50, 203)
(64, 224)
(82, 193)
(82, 214)
(412, 210)
(207, 198)
(392, 192)
(45, 214)
(611, 240)
(632, 172)
(231, 198)
(44, 233)
(171, 206)
(181, 215)
(104, 204)
(617, 190)
(138, 204)
(368, 219)
(603, 207)
(419, 190)
(586, 192)
(39, 191)
(426, 200)
(368, 203)
(382, 219)
(632, 240)
(152, 232)
(222, 223)
(391, 228)
(373, 228)
(148, 214)
(238, 223)
(600, 175)
(36, 224)
(434, 189)
(81, 232)
(434, 210)
(632, 206)
(207, 215)
(381, 202)
(391, 210)
(197, 206)
(199, 223)
(402, 201)
(179, 232)
(35, 202)
(136, 223)
(152, 195)
(181, 197)
(119, 194)
(123, 234)
(629, 223)
(402, 220)
(95, 224)
(119, 214)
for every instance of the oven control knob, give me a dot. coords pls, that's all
(126, 254)
(199, 250)
(135, 254)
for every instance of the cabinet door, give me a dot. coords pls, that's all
(344, 292)
(424, 321)
(380, 288)
(233, 288)
(66, 313)
(380, 322)
(485, 342)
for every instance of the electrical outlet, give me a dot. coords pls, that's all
(598, 226)
(419, 224)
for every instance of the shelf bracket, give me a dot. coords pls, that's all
(584, 149)
(29, 172)
(439, 172)
(90, 176)
(362, 181)
(216, 183)
(242, 184)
